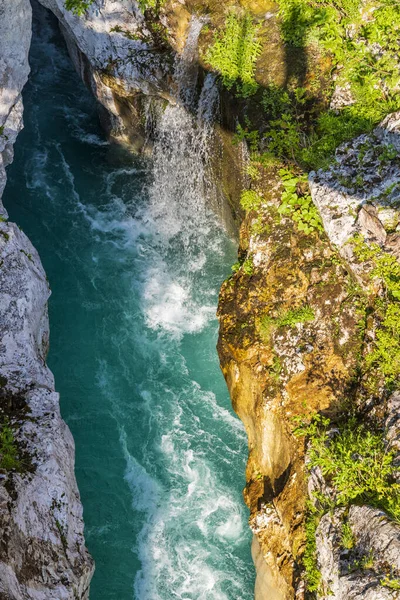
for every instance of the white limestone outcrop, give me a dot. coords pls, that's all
(42, 548)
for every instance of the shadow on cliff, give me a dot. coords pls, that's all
(149, 59)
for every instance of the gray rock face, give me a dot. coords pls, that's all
(359, 194)
(15, 39)
(113, 51)
(366, 570)
(42, 548)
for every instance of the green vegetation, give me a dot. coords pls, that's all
(153, 5)
(339, 29)
(298, 129)
(295, 315)
(245, 265)
(250, 200)
(298, 204)
(386, 353)
(391, 583)
(234, 54)
(355, 462)
(79, 7)
(365, 562)
(313, 575)
(347, 537)
(9, 458)
(288, 318)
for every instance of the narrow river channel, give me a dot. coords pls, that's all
(135, 261)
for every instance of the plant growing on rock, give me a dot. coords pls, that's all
(79, 7)
(390, 582)
(296, 315)
(9, 458)
(312, 573)
(234, 54)
(355, 462)
(385, 355)
(250, 200)
(299, 206)
(347, 537)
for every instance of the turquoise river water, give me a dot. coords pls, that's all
(134, 263)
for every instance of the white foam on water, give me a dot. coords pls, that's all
(170, 306)
(179, 446)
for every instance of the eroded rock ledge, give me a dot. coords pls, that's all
(299, 325)
(42, 548)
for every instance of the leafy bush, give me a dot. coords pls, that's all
(356, 463)
(386, 353)
(276, 101)
(78, 6)
(299, 206)
(8, 449)
(250, 200)
(364, 53)
(234, 54)
(298, 17)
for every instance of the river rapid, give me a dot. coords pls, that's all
(135, 260)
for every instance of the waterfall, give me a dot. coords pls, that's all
(135, 260)
(181, 150)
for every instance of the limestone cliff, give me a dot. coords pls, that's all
(42, 548)
(310, 306)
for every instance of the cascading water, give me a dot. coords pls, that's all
(135, 260)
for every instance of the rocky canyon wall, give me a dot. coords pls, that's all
(42, 547)
(311, 302)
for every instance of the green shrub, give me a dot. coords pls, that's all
(300, 131)
(250, 200)
(355, 461)
(298, 17)
(385, 355)
(299, 207)
(78, 6)
(234, 54)
(275, 101)
(8, 449)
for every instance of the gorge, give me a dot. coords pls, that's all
(274, 120)
(134, 259)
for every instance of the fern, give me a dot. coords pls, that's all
(234, 54)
